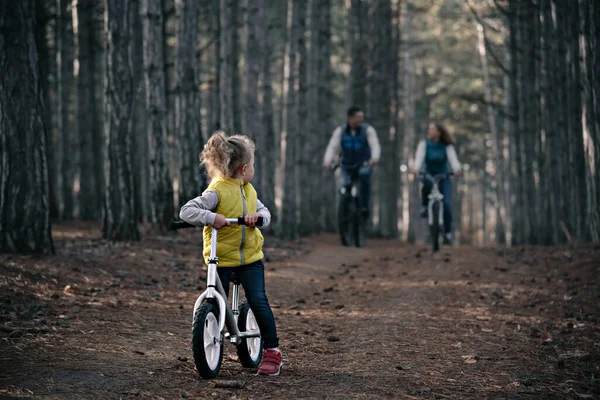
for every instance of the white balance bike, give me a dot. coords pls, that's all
(212, 314)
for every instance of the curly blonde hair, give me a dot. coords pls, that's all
(223, 155)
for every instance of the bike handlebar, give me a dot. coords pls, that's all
(437, 177)
(175, 225)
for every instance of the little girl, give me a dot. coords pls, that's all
(229, 162)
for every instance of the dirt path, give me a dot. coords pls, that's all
(105, 321)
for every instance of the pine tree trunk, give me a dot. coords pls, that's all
(187, 106)
(170, 51)
(24, 203)
(90, 92)
(270, 150)
(120, 219)
(577, 163)
(69, 109)
(234, 67)
(327, 215)
(359, 59)
(253, 58)
(496, 143)
(590, 66)
(383, 60)
(289, 145)
(161, 189)
(304, 150)
(47, 37)
(140, 135)
(225, 61)
(410, 194)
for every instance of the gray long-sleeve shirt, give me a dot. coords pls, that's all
(201, 210)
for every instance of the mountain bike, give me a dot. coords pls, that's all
(212, 314)
(351, 222)
(435, 208)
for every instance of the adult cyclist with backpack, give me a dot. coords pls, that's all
(357, 144)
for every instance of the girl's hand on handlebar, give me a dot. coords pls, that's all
(220, 222)
(251, 219)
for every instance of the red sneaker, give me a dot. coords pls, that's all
(271, 363)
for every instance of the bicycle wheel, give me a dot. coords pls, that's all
(207, 346)
(435, 226)
(249, 350)
(358, 227)
(345, 220)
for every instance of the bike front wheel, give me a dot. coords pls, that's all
(207, 343)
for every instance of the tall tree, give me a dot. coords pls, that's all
(254, 53)
(90, 94)
(68, 94)
(47, 37)
(140, 136)
(324, 79)
(187, 105)
(161, 189)
(304, 146)
(120, 219)
(289, 217)
(227, 60)
(383, 62)
(24, 202)
(590, 67)
(269, 153)
(358, 36)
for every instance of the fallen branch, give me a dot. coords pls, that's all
(20, 331)
(566, 232)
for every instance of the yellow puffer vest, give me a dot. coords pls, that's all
(236, 245)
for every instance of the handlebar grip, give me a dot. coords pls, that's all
(242, 221)
(180, 225)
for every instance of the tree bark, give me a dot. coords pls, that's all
(68, 92)
(187, 106)
(327, 214)
(161, 189)
(383, 60)
(359, 57)
(289, 142)
(120, 219)
(590, 66)
(253, 58)
(304, 150)
(270, 150)
(24, 202)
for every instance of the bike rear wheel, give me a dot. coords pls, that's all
(249, 350)
(358, 228)
(434, 228)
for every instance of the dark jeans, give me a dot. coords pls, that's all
(252, 278)
(446, 189)
(364, 175)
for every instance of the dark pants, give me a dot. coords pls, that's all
(446, 189)
(252, 278)
(364, 175)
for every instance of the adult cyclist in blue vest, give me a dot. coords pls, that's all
(357, 144)
(437, 155)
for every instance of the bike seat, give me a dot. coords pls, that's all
(233, 278)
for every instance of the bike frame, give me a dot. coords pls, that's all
(354, 182)
(214, 290)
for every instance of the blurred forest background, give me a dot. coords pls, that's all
(131, 89)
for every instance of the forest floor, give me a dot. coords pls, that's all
(113, 321)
